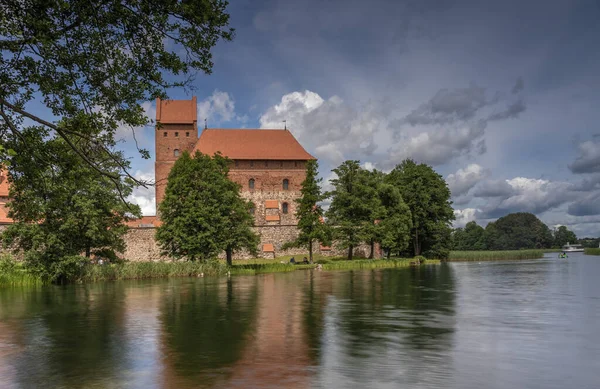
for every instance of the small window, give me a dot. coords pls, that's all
(187, 134)
(284, 208)
(295, 162)
(280, 163)
(176, 135)
(237, 164)
(252, 209)
(251, 163)
(251, 183)
(266, 163)
(165, 134)
(286, 184)
(176, 153)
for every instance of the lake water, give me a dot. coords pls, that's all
(526, 324)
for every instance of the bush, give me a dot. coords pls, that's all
(420, 259)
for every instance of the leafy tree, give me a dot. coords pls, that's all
(469, 238)
(396, 223)
(309, 213)
(202, 213)
(99, 60)
(351, 211)
(517, 231)
(563, 235)
(428, 198)
(62, 207)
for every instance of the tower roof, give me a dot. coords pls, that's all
(252, 144)
(176, 111)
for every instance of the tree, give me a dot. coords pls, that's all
(100, 61)
(517, 231)
(350, 212)
(469, 238)
(202, 213)
(309, 213)
(395, 225)
(428, 198)
(563, 235)
(63, 207)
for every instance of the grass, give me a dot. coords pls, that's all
(495, 255)
(592, 251)
(13, 273)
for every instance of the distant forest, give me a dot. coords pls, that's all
(515, 231)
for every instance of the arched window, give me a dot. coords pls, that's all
(284, 207)
(165, 134)
(187, 134)
(176, 153)
(251, 183)
(252, 209)
(286, 184)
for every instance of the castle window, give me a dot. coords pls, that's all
(280, 163)
(237, 164)
(252, 209)
(286, 184)
(266, 163)
(251, 183)
(176, 135)
(187, 134)
(295, 163)
(176, 153)
(165, 134)
(284, 207)
(251, 163)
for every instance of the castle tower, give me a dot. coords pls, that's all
(176, 132)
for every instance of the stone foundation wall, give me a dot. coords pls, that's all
(141, 245)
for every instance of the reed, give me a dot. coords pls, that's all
(591, 251)
(495, 255)
(13, 273)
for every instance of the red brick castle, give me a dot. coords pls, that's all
(268, 164)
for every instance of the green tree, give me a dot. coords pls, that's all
(99, 60)
(310, 213)
(517, 231)
(202, 213)
(352, 203)
(428, 198)
(562, 236)
(469, 238)
(63, 207)
(395, 225)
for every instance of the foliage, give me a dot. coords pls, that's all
(494, 255)
(63, 207)
(469, 238)
(592, 251)
(202, 213)
(427, 196)
(310, 213)
(353, 206)
(98, 61)
(395, 223)
(589, 242)
(562, 236)
(517, 231)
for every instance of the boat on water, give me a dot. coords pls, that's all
(572, 248)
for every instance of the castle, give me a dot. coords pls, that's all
(269, 165)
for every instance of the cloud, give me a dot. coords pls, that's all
(331, 128)
(439, 146)
(464, 179)
(493, 188)
(449, 106)
(588, 160)
(519, 86)
(511, 112)
(463, 216)
(144, 197)
(529, 195)
(219, 107)
(587, 206)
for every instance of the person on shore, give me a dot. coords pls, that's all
(305, 260)
(292, 261)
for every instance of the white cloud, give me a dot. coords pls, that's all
(463, 216)
(144, 197)
(464, 179)
(219, 107)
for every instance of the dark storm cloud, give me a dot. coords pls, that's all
(588, 206)
(493, 188)
(588, 160)
(511, 112)
(519, 86)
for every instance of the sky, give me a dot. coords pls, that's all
(500, 97)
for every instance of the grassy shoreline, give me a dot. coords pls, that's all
(16, 274)
(591, 251)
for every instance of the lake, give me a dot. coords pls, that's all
(526, 324)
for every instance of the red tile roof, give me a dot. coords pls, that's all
(252, 144)
(145, 221)
(4, 219)
(176, 111)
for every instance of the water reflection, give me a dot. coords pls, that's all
(493, 325)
